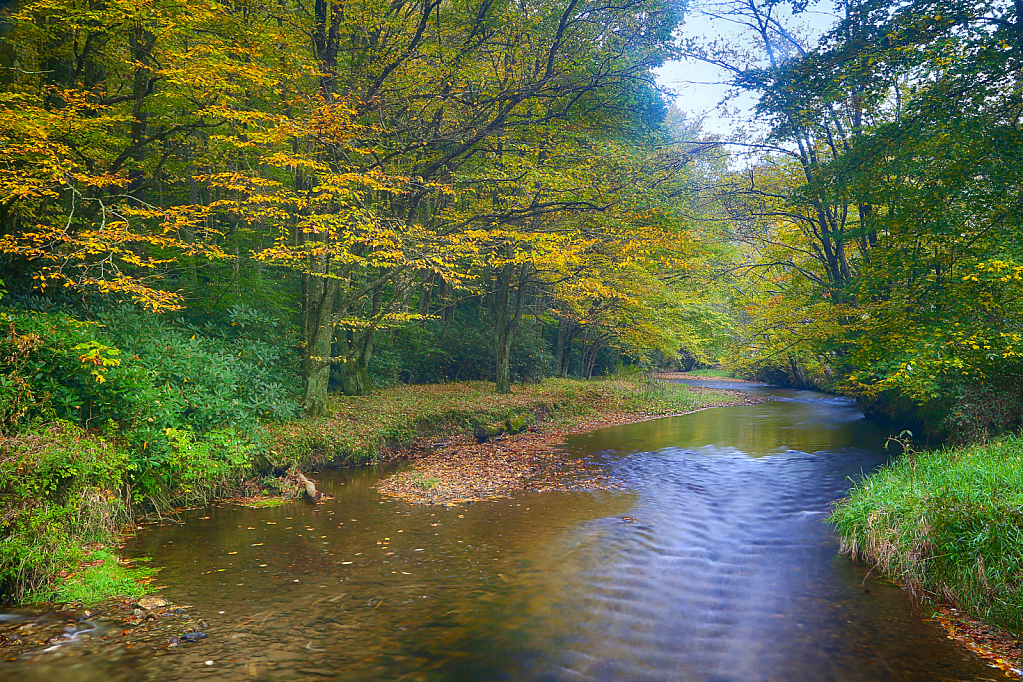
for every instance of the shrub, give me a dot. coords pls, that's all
(61, 494)
(159, 387)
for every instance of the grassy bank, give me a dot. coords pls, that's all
(360, 428)
(66, 493)
(948, 523)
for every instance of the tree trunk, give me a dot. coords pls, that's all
(355, 378)
(591, 359)
(559, 344)
(508, 307)
(426, 294)
(502, 381)
(797, 373)
(318, 300)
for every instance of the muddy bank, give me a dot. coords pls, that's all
(457, 469)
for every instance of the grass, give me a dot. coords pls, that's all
(62, 499)
(100, 576)
(361, 427)
(723, 373)
(949, 523)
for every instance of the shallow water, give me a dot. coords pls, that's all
(713, 562)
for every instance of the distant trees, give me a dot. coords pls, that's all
(884, 216)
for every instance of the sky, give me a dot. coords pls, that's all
(700, 86)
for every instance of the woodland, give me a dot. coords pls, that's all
(216, 216)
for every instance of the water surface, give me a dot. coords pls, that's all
(712, 563)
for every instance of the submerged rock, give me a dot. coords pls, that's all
(152, 602)
(188, 637)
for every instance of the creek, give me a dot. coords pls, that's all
(711, 562)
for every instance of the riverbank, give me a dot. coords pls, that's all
(460, 469)
(699, 375)
(67, 496)
(949, 525)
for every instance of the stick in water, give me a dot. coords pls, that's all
(310, 487)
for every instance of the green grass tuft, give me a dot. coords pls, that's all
(948, 522)
(100, 577)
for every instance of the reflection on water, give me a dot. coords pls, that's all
(713, 563)
(794, 420)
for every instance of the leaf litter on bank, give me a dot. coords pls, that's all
(461, 470)
(999, 647)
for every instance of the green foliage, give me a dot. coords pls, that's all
(178, 397)
(201, 467)
(948, 522)
(61, 496)
(886, 256)
(66, 368)
(432, 352)
(232, 374)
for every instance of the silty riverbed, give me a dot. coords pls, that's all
(712, 562)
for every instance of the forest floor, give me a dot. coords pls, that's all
(459, 469)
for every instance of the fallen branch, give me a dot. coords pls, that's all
(310, 486)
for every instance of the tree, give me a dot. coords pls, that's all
(903, 124)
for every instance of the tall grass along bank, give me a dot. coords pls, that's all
(948, 523)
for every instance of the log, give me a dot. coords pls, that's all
(310, 486)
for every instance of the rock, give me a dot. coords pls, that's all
(485, 433)
(188, 637)
(152, 602)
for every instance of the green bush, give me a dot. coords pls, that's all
(61, 493)
(157, 386)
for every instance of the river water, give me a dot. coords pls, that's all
(712, 562)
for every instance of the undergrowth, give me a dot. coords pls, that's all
(62, 494)
(947, 522)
